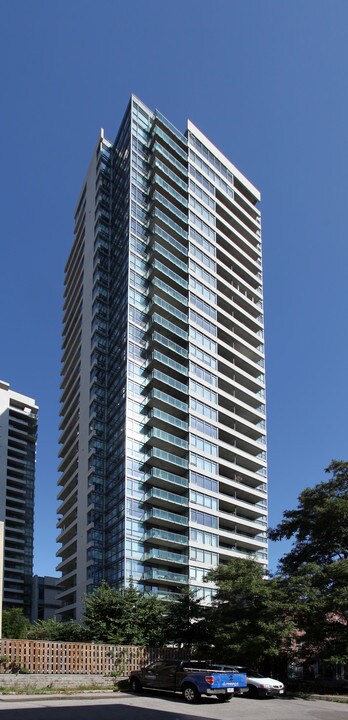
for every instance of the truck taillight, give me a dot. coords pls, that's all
(209, 679)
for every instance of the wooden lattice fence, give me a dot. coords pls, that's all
(38, 656)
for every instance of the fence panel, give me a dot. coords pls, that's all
(39, 656)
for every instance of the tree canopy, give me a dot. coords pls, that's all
(186, 621)
(14, 624)
(54, 630)
(315, 570)
(319, 525)
(124, 616)
(249, 618)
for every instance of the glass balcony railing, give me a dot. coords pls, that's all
(172, 175)
(157, 265)
(168, 307)
(167, 418)
(167, 457)
(169, 399)
(251, 538)
(157, 283)
(167, 575)
(169, 189)
(157, 230)
(157, 337)
(172, 144)
(169, 380)
(171, 127)
(178, 367)
(168, 476)
(169, 256)
(156, 318)
(157, 514)
(166, 536)
(157, 147)
(167, 496)
(156, 213)
(168, 438)
(167, 556)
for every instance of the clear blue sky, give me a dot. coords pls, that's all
(267, 83)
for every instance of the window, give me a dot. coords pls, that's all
(202, 518)
(203, 306)
(203, 258)
(197, 573)
(203, 481)
(203, 427)
(201, 179)
(206, 501)
(203, 463)
(199, 354)
(203, 340)
(208, 155)
(199, 208)
(195, 220)
(210, 172)
(203, 445)
(202, 290)
(204, 538)
(203, 374)
(205, 392)
(203, 274)
(203, 556)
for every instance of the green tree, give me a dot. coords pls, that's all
(319, 525)
(53, 630)
(125, 616)
(14, 624)
(249, 619)
(315, 570)
(186, 621)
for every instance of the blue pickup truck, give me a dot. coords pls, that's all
(191, 677)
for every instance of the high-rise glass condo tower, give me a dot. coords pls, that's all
(18, 432)
(163, 435)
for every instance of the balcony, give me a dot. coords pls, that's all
(158, 133)
(163, 439)
(158, 148)
(162, 498)
(161, 456)
(169, 290)
(158, 302)
(163, 517)
(158, 395)
(160, 477)
(165, 576)
(165, 537)
(164, 417)
(165, 556)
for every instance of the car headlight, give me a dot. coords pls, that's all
(266, 687)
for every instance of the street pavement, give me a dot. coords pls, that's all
(152, 706)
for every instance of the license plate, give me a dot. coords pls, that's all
(230, 690)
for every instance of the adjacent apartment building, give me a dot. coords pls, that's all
(163, 470)
(18, 433)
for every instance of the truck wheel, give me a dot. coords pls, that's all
(135, 685)
(190, 693)
(224, 698)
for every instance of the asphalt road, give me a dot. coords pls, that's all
(151, 706)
